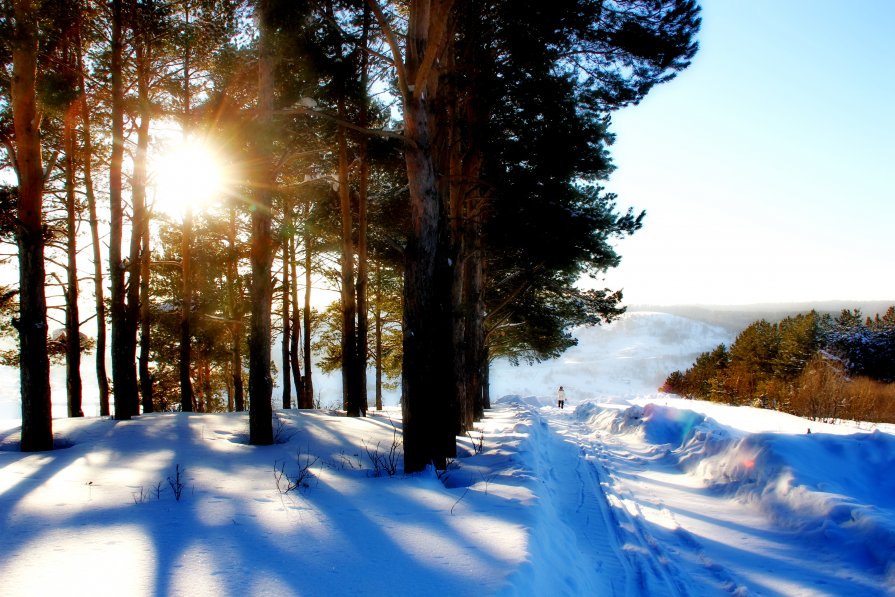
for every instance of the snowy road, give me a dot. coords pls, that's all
(618, 553)
(622, 518)
(626, 558)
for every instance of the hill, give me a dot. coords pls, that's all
(630, 356)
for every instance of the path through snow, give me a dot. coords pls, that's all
(621, 516)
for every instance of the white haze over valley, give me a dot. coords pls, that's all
(626, 491)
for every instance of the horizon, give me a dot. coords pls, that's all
(823, 303)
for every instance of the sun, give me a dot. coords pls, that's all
(189, 174)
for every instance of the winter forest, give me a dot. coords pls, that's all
(318, 297)
(185, 177)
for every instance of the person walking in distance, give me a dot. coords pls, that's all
(561, 398)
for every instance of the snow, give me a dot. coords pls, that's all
(627, 492)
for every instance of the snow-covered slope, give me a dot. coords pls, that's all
(630, 356)
(632, 493)
(101, 517)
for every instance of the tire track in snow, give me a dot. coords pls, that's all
(619, 462)
(572, 500)
(610, 525)
(612, 543)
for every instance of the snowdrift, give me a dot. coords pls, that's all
(825, 487)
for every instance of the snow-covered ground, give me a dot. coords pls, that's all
(625, 492)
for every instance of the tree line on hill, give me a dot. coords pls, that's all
(454, 234)
(812, 365)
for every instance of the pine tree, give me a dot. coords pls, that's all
(102, 379)
(260, 383)
(37, 423)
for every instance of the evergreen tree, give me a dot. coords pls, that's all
(451, 87)
(22, 29)
(82, 14)
(800, 338)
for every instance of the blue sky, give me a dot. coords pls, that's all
(766, 168)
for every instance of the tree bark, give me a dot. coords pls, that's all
(286, 314)
(146, 377)
(138, 278)
(72, 316)
(378, 334)
(187, 397)
(428, 346)
(350, 386)
(260, 383)
(427, 371)
(34, 367)
(475, 339)
(235, 315)
(306, 331)
(138, 206)
(363, 184)
(102, 378)
(428, 404)
(486, 379)
(123, 369)
(295, 330)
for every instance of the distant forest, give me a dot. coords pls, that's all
(812, 365)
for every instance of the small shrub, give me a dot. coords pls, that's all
(384, 463)
(176, 482)
(282, 433)
(478, 445)
(300, 480)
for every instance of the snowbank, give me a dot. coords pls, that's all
(825, 487)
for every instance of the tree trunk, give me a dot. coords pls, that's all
(122, 368)
(486, 380)
(235, 315)
(34, 365)
(427, 371)
(306, 345)
(260, 383)
(363, 184)
(102, 379)
(138, 278)
(138, 226)
(72, 316)
(350, 385)
(377, 308)
(187, 399)
(460, 319)
(145, 323)
(285, 314)
(295, 331)
(474, 339)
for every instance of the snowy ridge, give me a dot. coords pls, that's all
(827, 488)
(630, 356)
